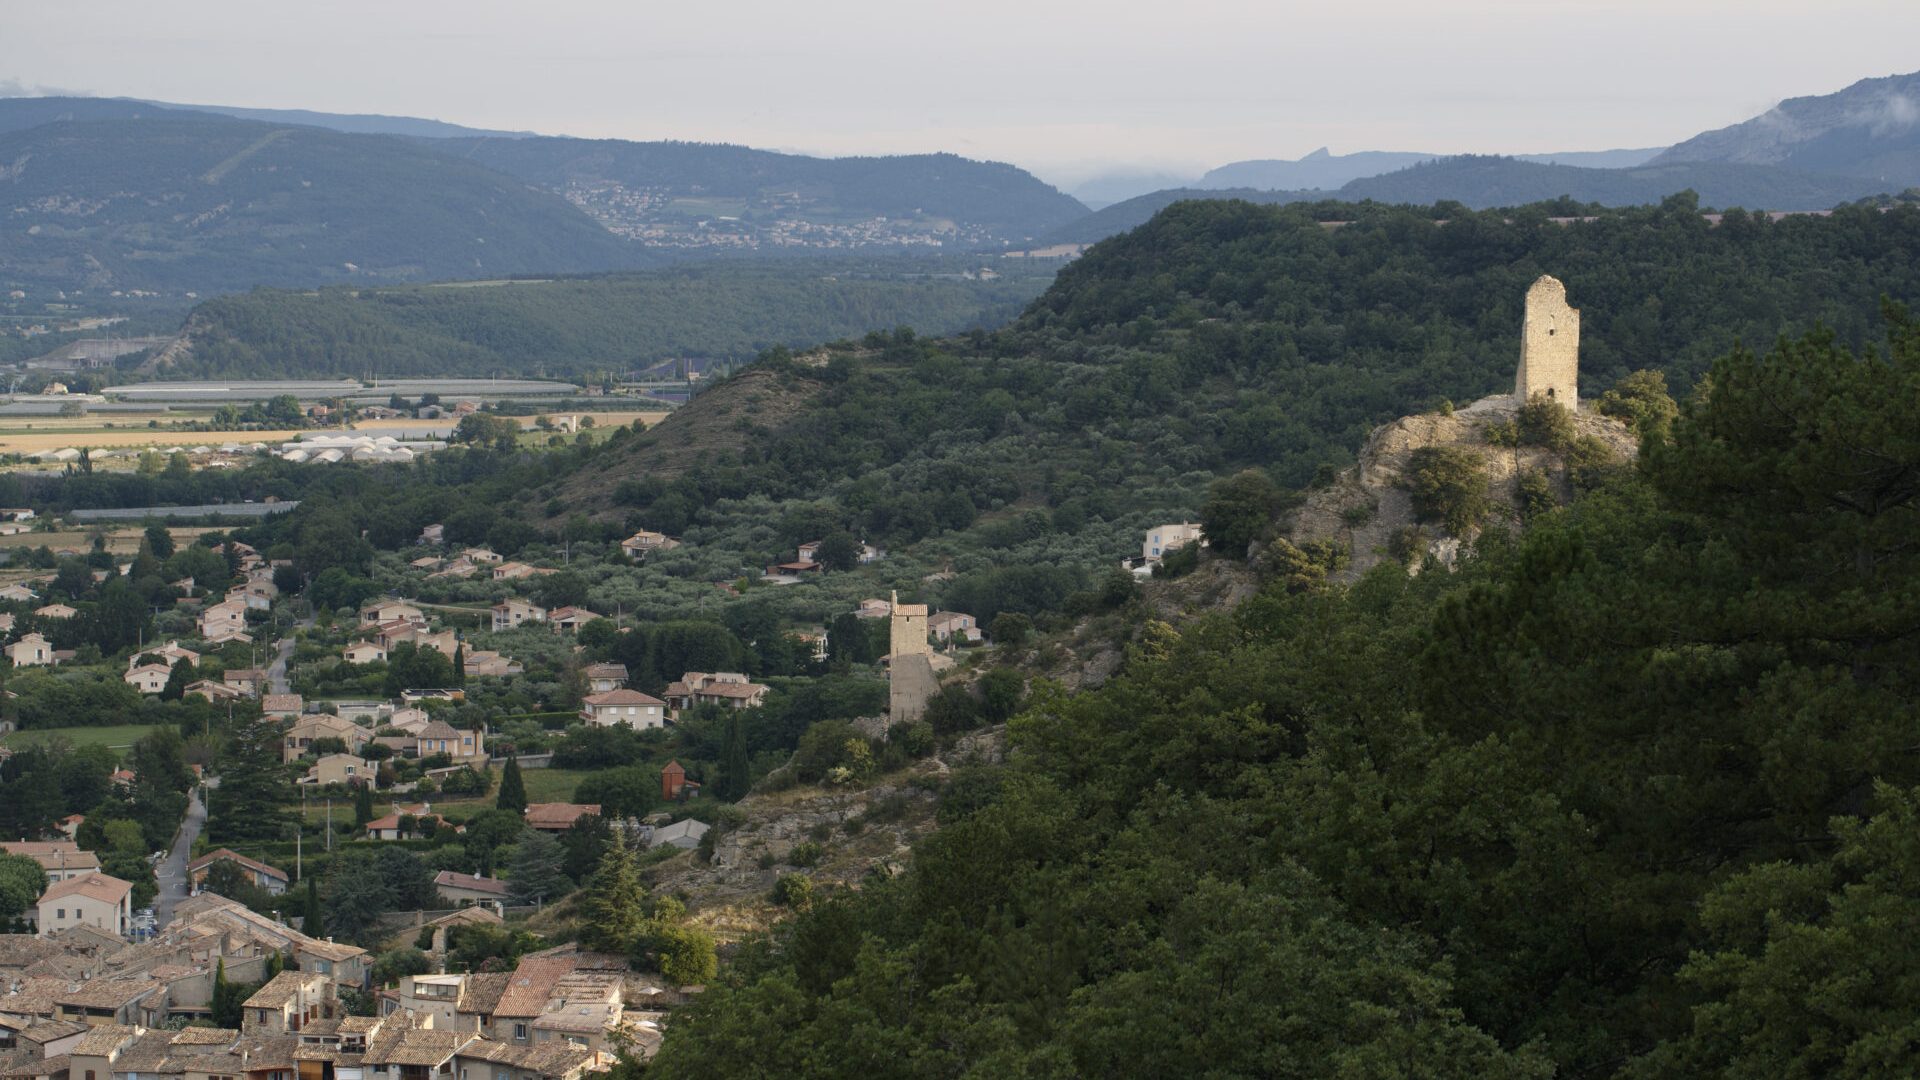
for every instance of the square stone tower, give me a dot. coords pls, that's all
(1549, 346)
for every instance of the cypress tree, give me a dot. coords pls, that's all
(362, 805)
(178, 680)
(313, 924)
(735, 773)
(513, 789)
(460, 665)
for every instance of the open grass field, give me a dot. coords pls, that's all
(118, 738)
(119, 541)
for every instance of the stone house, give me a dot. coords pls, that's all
(32, 650)
(213, 691)
(604, 677)
(364, 652)
(1165, 538)
(61, 859)
(645, 542)
(341, 769)
(569, 618)
(97, 900)
(486, 663)
(557, 817)
(148, 678)
(728, 689)
(289, 1002)
(464, 747)
(462, 890)
(945, 626)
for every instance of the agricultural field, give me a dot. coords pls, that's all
(119, 541)
(31, 435)
(118, 738)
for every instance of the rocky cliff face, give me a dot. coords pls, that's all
(1369, 511)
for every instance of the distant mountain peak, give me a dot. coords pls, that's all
(1871, 128)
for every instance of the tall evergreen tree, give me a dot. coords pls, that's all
(537, 873)
(513, 789)
(460, 665)
(250, 801)
(362, 805)
(314, 920)
(178, 680)
(611, 915)
(735, 772)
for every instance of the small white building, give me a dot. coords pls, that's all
(628, 708)
(101, 901)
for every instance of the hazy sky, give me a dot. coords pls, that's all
(1063, 87)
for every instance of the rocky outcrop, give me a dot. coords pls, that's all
(1368, 511)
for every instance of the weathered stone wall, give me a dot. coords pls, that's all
(1549, 346)
(910, 685)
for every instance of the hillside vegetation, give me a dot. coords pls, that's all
(595, 324)
(176, 201)
(1630, 795)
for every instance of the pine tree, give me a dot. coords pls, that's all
(611, 916)
(537, 872)
(513, 789)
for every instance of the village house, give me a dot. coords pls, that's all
(61, 859)
(461, 569)
(340, 769)
(513, 611)
(461, 890)
(464, 747)
(30, 651)
(604, 677)
(225, 621)
(97, 900)
(284, 706)
(290, 1001)
(56, 611)
(149, 679)
(873, 608)
(433, 534)
(272, 879)
(558, 817)
(404, 823)
(387, 611)
(364, 652)
(427, 562)
(485, 556)
(629, 708)
(249, 681)
(169, 654)
(513, 571)
(681, 834)
(251, 597)
(213, 691)
(643, 543)
(486, 663)
(1166, 538)
(299, 739)
(569, 618)
(946, 626)
(728, 689)
(17, 593)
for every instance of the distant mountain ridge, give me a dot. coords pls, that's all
(351, 123)
(124, 195)
(1324, 170)
(1871, 129)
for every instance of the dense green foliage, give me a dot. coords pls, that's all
(590, 325)
(1603, 800)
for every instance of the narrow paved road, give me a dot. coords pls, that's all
(172, 872)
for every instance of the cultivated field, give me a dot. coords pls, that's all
(30, 436)
(119, 541)
(119, 738)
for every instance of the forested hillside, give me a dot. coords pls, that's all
(1631, 795)
(595, 324)
(135, 197)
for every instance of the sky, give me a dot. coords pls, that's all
(1066, 88)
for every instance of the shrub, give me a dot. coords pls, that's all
(1545, 422)
(805, 854)
(1448, 485)
(794, 891)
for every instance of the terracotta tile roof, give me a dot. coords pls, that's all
(93, 886)
(270, 1053)
(449, 879)
(199, 1036)
(47, 1031)
(330, 950)
(255, 865)
(480, 993)
(103, 1040)
(107, 993)
(606, 671)
(621, 697)
(439, 729)
(558, 815)
(417, 1046)
(29, 1065)
(25, 950)
(281, 703)
(281, 989)
(34, 997)
(533, 980)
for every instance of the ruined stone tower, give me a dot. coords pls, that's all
(910, 679)
(1549, 346)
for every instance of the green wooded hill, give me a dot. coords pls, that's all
(1630, 794)
(575, 326)
(134, 197)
